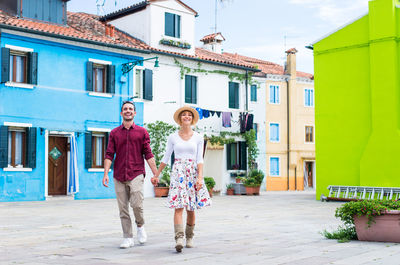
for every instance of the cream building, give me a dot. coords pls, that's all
(289, 123)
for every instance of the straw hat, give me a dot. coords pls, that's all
(186, 108)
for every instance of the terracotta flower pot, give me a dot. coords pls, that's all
(210, 191)
(161, 191)
(230, 191)
(252, 190)
(385, 229)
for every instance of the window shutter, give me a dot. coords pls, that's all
(88, 149)
(277, 94)
(31, 147)
(3, 146)
(188, 89)
(169, 24)
(228, 156)
(311, 97)
(111, 79)
(148, 84)
(236, 95)
(89, 76)
(5, 65)
(231, 95)
(194, 89)
(177, 26)
(33, 65)
(243, 155)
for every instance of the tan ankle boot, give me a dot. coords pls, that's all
(189, 235)
(178, 237)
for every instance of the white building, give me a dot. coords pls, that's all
(200, 77)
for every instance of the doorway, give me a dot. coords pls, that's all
(309, 174)
(57, 165)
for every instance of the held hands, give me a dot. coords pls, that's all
(154, 180)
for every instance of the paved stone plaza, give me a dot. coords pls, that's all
(274, 228)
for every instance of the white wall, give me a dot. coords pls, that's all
(136, 24)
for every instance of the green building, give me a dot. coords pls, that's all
(357, 90)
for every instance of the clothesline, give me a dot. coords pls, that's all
(245, 119)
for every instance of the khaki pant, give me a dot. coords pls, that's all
(130, 192)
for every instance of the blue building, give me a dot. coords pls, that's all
(61, 91)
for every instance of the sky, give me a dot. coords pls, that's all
(261, 29)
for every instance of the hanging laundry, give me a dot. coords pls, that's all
(249, 122)
(206, 113)
(226, 119)
(242, 120)
(212, 112)
(200, 111)
(218, 113)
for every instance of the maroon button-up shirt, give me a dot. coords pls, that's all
(130, 146)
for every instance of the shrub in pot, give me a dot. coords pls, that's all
(210, 183)
(230, 190)
(253, 182)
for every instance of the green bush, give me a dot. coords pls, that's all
(165, 179)
(210, 182)
(254, 178)
(229, 186)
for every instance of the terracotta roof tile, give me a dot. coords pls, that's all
(210, 37)
(266, 67)
(79, 25)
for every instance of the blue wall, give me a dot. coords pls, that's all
(60, 102)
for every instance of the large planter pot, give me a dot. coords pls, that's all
(252, 190)
(210, 191)
(385, 229)
(161, 191)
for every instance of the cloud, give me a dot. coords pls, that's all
(335, 12)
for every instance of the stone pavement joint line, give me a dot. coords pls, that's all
(274, 228)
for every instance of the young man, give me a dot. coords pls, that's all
(131, 145)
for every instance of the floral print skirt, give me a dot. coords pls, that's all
(182, 189)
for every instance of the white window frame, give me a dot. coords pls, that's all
(313, 97)
(17, 124)
(134, 88)
(16, 84)
(269, 95)
(279, 132)
(98, 130)
(279, 166)
(309, 125)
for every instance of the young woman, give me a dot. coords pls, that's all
(187, 189)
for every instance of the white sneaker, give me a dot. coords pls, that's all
(127, 243)
(141, 235)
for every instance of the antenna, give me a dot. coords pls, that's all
(100, 7)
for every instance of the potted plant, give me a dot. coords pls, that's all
(161, 190)
(253, 182)
(158, 132)
(210, 183)
(229, 189)
(369, 220)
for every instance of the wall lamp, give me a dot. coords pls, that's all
(127, 67)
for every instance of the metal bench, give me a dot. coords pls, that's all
(353, 193)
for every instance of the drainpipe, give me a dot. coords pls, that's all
(288, 134)
(247, 93)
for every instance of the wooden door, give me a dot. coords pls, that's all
(309, 170)
(57, 165)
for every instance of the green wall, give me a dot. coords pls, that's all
(357, 102)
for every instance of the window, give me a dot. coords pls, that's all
(172, 25)
(99, 149)
(253, 93)
(274, 94)
(95, 148)
(255, 128)
(274, 132)
(274, 166)
(236, 156)
(309, 97)
(143, 84)
(138, 83)
(19, 65)
(17, 147)
(233, 95)
(100, 76)
(190, 89)
(309, 134)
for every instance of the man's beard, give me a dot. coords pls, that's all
(128, 119)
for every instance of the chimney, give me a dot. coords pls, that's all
(109, 30)
(213, 42)
(290, 66)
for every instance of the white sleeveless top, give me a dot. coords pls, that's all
(190, 149)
